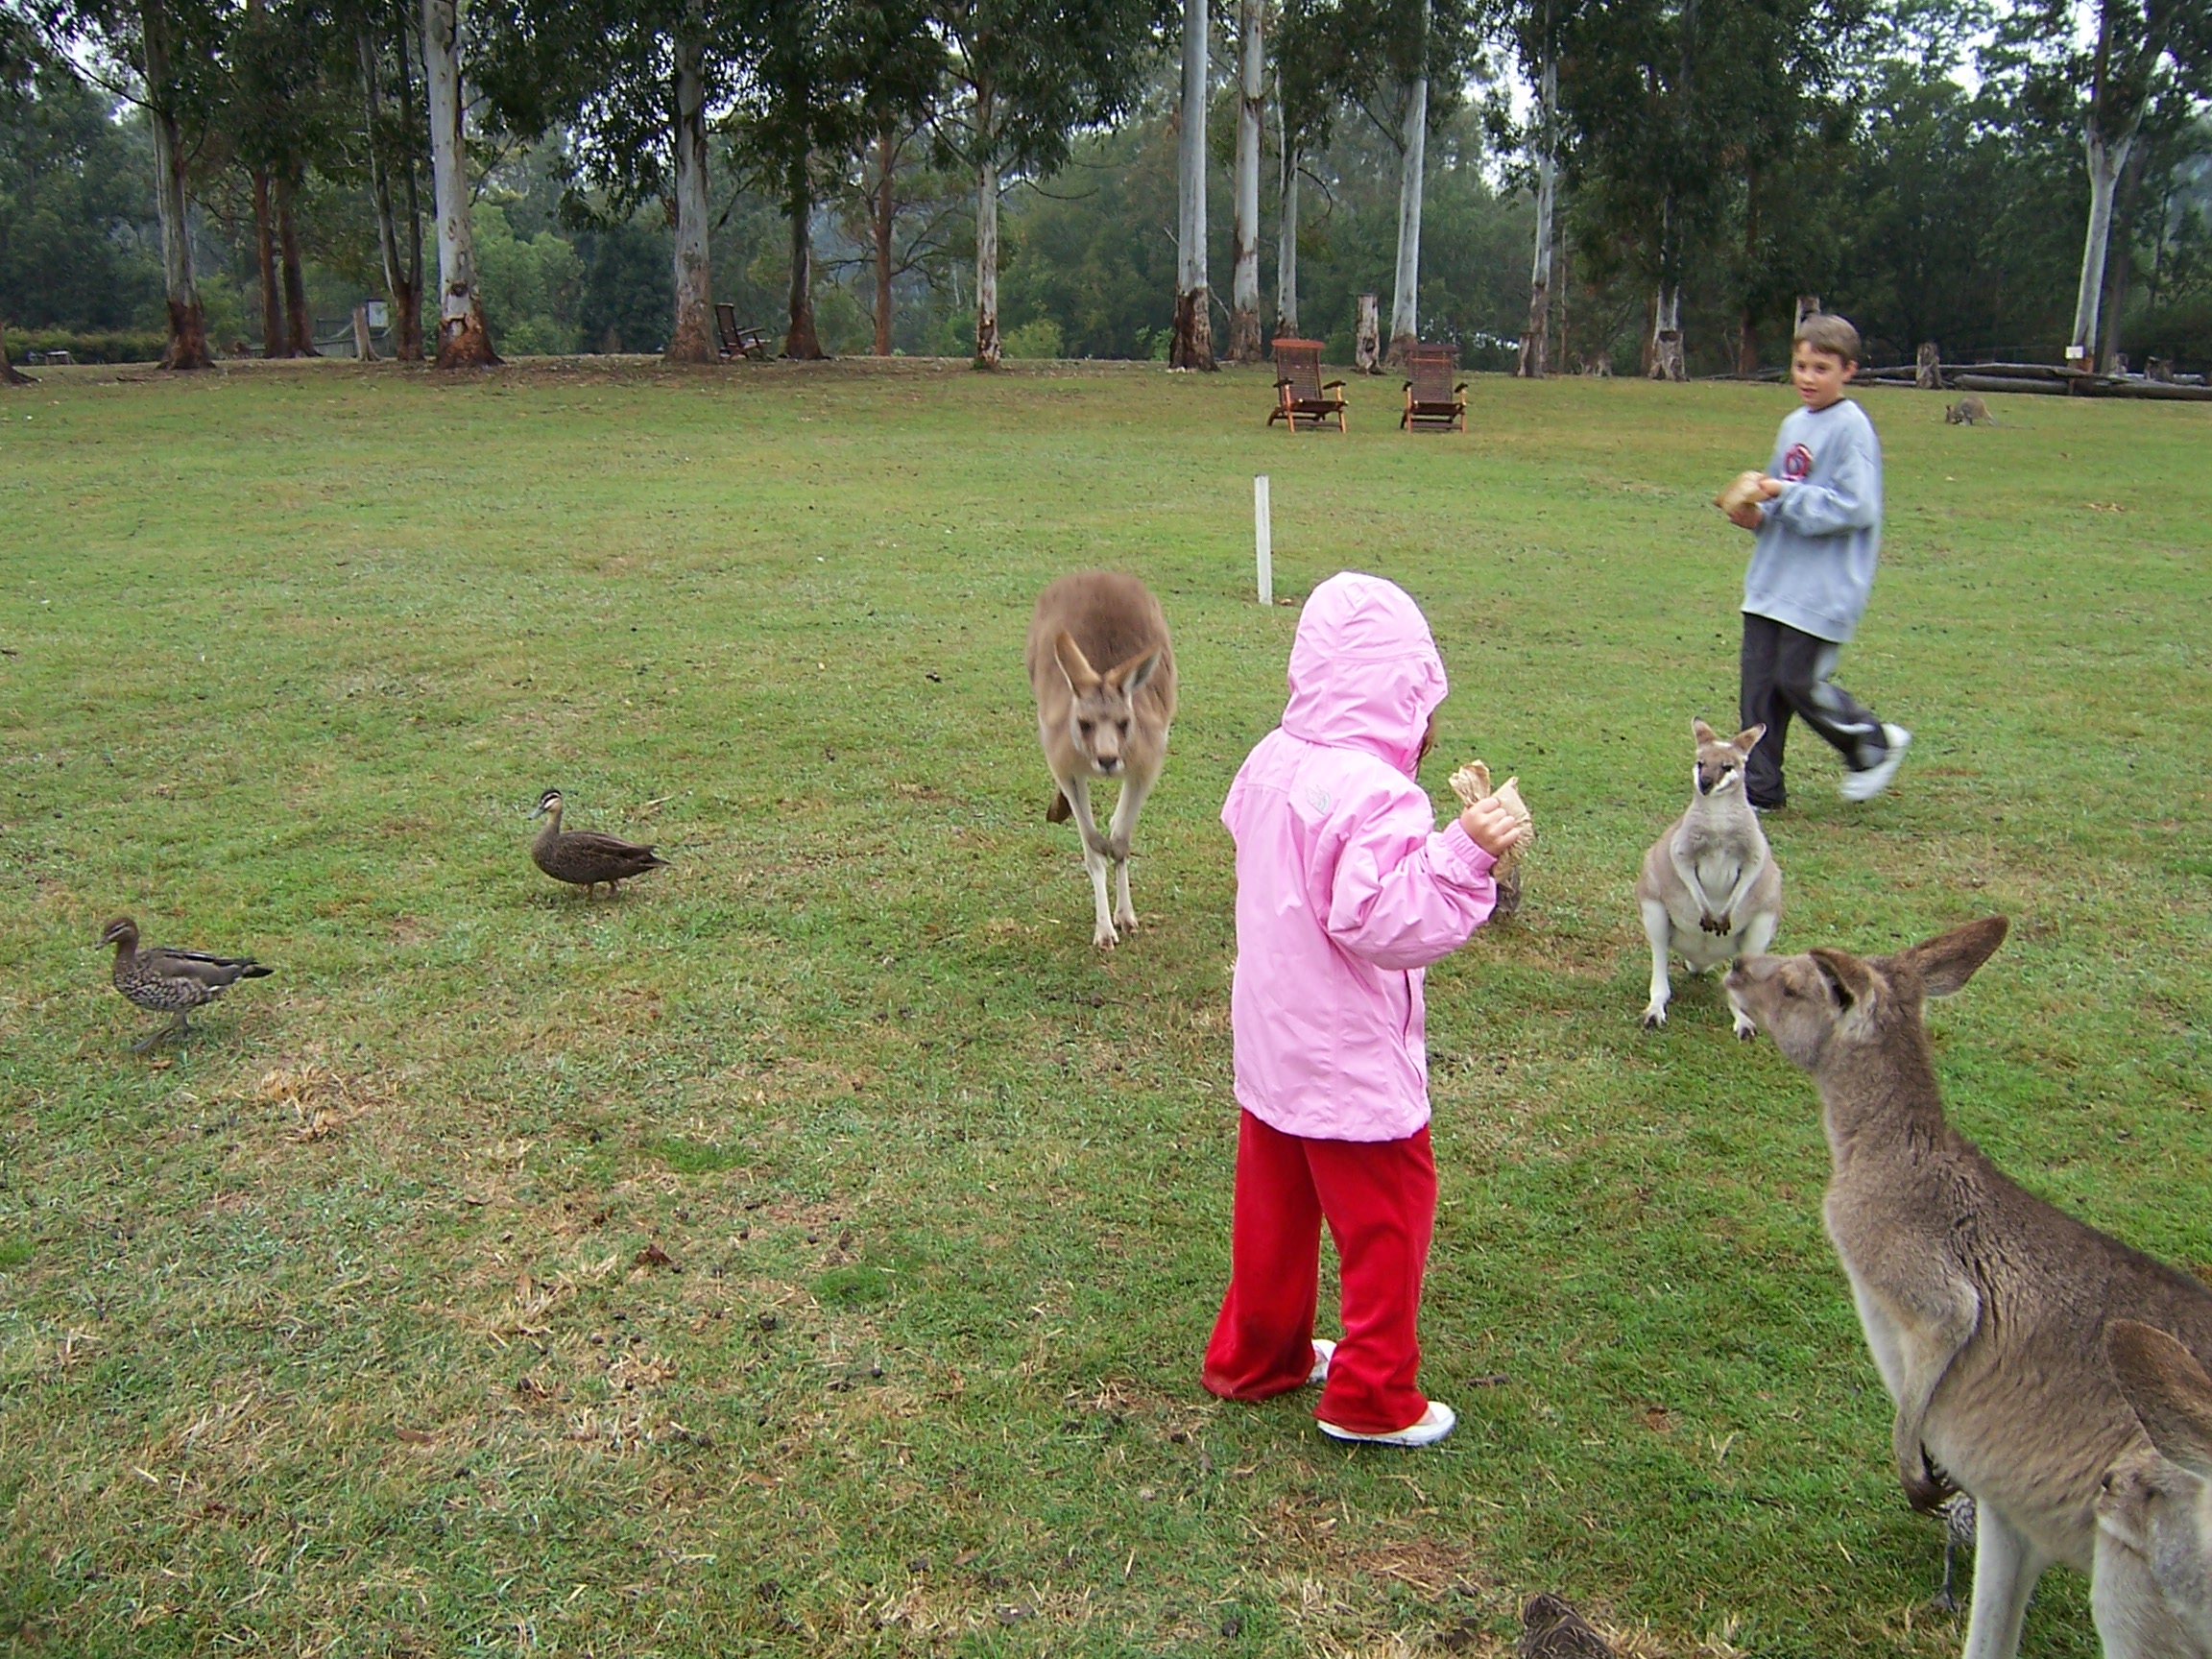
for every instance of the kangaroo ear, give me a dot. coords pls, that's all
(1703, 733)
(1748, 740)
(1081, 676)
(1853, 980)
(1130, 676)
(2168, 1390)
(1947, 961)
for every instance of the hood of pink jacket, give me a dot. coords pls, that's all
(1364, 670)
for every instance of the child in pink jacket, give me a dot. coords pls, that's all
(1345, 892)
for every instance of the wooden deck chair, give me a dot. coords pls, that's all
(739, 341)
(1433, 404)
(1300, 393)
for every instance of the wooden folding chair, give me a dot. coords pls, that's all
(1433, 402)
(739, 341)
(1300, 393)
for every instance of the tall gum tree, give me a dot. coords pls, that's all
(1244, 333)
(633, 87)
(464, 337)
(392, 146)
(187, 348)
(1026, 76)
(2107, 82)
(1401, 65)
(1542, 55)
(1192, 344)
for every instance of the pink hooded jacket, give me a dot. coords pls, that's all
(1345, 891)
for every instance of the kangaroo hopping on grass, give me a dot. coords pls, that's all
(1710, 891)
(2047, 1369)
(1109, 722)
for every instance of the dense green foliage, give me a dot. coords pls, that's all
(342, 1328)
(1868, 174)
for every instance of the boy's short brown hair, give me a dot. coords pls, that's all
(1825, 332)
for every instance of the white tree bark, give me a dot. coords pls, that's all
(1192, 344)
(987, 350)
(463, 338)
(1245, 341)
(188, 347)
(2107, 157)
(693, 340)
(1287, 244)
(1406, 290)
(1666, 333)
(1536, 338)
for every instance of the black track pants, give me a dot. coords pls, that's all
(1786, 672)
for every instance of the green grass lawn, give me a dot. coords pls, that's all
(344, 1329)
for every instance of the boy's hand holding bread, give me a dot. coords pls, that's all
(1497, 822)
(1741, 498)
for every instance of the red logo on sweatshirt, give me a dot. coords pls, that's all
(1797, 464)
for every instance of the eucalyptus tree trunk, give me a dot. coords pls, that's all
(299, 320)
(9, 376)
(402, 282)
(1536, 337)
(800, 341)
(1746, 325)
(1287, 244)
(987, 347)
(1192, 344)
(273, 332)
(188, 347)
(2106, 157)
(1663, 351)
(1405, 289)
(886, 164)
(464, 339)
(2120, 259)
(693, 338)
(1666, 333)
(1244, 333)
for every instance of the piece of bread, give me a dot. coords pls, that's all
(1472, 783)
(1742, 492)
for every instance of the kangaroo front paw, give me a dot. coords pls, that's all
(1125, 919)
(1104, 937)
(1655, 1016)
(1746, 1030)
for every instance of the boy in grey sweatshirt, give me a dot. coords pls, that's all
(1818, 516)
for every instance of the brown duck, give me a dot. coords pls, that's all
(584, 856)
(169, 980)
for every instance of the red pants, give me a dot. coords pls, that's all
(1380, 1200)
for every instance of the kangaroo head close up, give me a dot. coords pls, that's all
(1102, 707)
(1828, 1009)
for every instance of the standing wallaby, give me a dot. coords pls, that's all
(1968, 411)
(1989, 1312)
(1710, 890)
(1108, 722)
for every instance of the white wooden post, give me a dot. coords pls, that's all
(1264, 538)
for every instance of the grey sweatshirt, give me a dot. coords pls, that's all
(1812, 565)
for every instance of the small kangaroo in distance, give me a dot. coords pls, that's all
(1990, 1312)
(1109, 722)
(1710, 890)
(1968, 411)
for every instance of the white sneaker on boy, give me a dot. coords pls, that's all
(1866, 785)
(1436, 1423)
(1323, 1351)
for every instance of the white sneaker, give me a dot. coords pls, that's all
(1436, 1423)
(1866, 785)
(1324, 1351)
